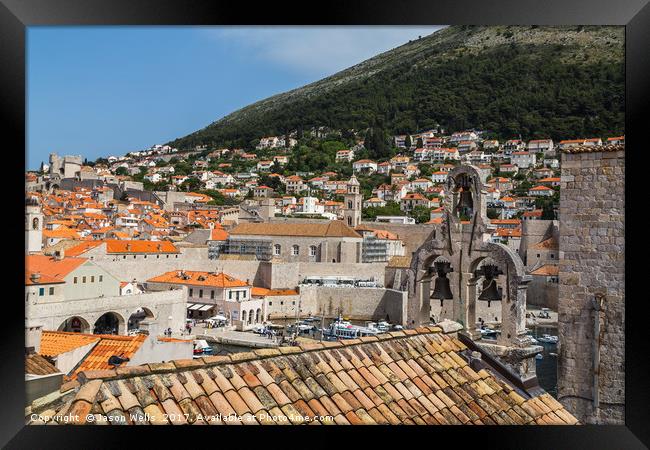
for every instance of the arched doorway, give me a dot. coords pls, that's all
(109, 323)
(251, 316)
(138, 316)
(75, 324)
(258, 316)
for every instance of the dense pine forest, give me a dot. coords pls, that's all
(533, 82)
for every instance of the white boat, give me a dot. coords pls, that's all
(548, 339)
(341, 329)
(381, 327)
(539, 356)
(487, 332)
(201, 348)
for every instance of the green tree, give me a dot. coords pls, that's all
(421, 214)
(391, 209)
(121, 171)
(407, 141)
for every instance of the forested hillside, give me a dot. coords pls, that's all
(536, 82)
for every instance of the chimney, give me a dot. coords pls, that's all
(128, 247)
(150, 327)
(35, 277)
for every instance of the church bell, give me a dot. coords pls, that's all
(441, 289)
(465, 203)
(490, 291)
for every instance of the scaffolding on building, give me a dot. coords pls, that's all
(374, 250)
(261, 249)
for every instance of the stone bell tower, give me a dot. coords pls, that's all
(352, 206)
(33, 226)
(480, 276)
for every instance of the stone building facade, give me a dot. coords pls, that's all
(591, 353)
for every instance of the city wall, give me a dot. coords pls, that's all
(592, 263)
(356, 304)
(167, 307)
(262, 274)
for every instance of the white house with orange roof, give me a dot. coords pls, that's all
(264, 166)
(219, 177)
(540, 145)
(411, 171)
(384, 168)
(508, 202)
(540, 191)
(490, 144)
(441, 154)
(616, 140)
(420, 184)
(433, 142)
(211, 293)
(295, 184)
(523, 160)
(466, 146)
(345, 155)
(550, 181)
(422, 154)
(262, 192)
(591, 142)
(513, 145)
(508, 168)
(463, 136)
(389, 192)
(399, 161)
(410, 201)
(568, 143)
(501, 183)
(374, 202)
(367, 166)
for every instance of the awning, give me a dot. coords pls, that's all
(199, 307)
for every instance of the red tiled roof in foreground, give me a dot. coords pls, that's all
(408, 377)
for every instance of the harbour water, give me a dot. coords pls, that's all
(547, 366)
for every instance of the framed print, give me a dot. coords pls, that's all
(379, 214)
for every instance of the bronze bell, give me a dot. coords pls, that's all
(465, 202)
(441, 288)
(490, 291)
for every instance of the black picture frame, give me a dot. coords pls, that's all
(16, 15)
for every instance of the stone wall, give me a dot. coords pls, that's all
(356, 304)
(542, 293)
(286, 275)
(592, 252)
(259, 273)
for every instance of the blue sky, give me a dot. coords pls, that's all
(98, 91)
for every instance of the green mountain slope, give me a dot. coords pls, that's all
(539, 82)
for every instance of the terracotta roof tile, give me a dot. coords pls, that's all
(278, 394)
(406, 379)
